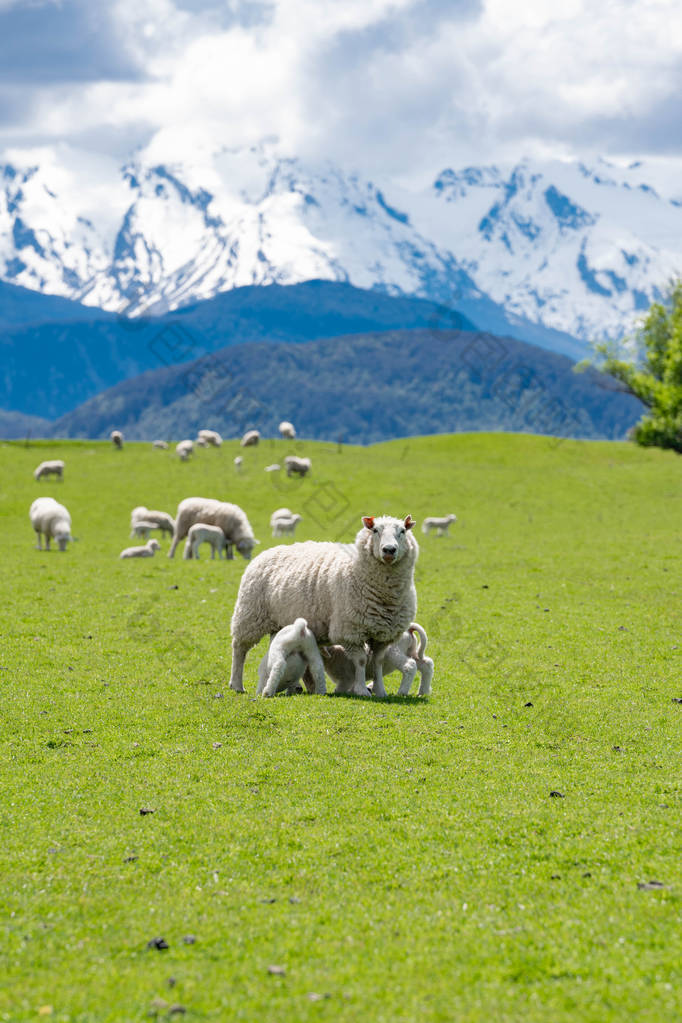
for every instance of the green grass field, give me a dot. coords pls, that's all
(400, 860)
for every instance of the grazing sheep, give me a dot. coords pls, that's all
(273, 468)
(406, 655)
(161, 520)
(160, 444)
(55, 467)
(116, 438)
(230, 517)
(201, 442)
(284, 525)
(350, 594)
(201, 533)
(297, 466)
(183, 449)
(439, 524)
(238, 462)
(287, 430)
(211, 437)
(291, 652)
(250, 439)
(147, 551)
(52, 520)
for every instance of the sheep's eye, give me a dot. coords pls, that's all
(374, 529)
(401, 531)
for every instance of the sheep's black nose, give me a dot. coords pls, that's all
(388, 549)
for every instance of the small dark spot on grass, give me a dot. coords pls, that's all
(157, 943)
(529, 704)
(555, 794)
(617, 749)
(217, 745)
(677, 699)
(217, 696)
(189, 939)
(144, 810)
(174, 587)
(587, 874)
(267, 902)
(130, 859)
(277, 971)
(294, 901)
(555, 877)
(650, 886)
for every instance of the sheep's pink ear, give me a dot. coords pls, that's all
(409, 522)
(368, 521)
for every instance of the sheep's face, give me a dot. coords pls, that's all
(245, 547)
(389, 537)
(62, 540)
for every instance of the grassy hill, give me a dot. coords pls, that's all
(486, 854)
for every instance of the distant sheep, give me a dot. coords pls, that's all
(160, 520)
(229, 517)
(201, 533)
(238, 462)
(116, 438)
(142, 529)
(296, 466)
(211, 437)
(55, 467)
(147, 551)
(161, 444)
(201, 442)
(291, 652)
(283, 522)
(183, 449)
(287, 430)
(51, 520)
(407, 655)
(439, 524)
(250, 439)
(350, 595)
(273, 468)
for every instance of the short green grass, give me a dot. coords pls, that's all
(400, 860)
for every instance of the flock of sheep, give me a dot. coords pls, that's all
(341, 610)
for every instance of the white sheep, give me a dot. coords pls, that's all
(287, 430)
(200, 533)
(54, 467)
(183, 449)
(250, 439)
(142, 529)
(161, 444)
(297, 466)
(292, 652)
(211, 437)
(201, 442)
(284, 525)
(229, 517)
(147, 551)
(273, 468)
(350, 594)
(52, 520)
(159, 519)
(116, 438)
(407, 655)
(238, 462)
(439, 524)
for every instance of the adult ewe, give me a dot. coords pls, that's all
(250, 439)
(286, 430)
(54, 467)
(51, 520)
(184, 448)
(350, 594)
(229, 517)
(296, 466)
(211, 437)
(116, 438)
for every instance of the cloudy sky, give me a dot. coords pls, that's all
(398, 87)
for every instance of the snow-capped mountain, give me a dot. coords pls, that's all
(577, 249)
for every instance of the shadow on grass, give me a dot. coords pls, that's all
(381, 701)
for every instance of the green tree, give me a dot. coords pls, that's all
(653, 373)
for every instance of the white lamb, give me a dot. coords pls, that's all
(142, 528)
(406, 655)
(184, 449)
(160, 520)
(284, 525)
(439, 524)
(287, 430)
(350, 594)
(238, 462)
(116, 438)
(211, 437)
(292, 652)
(161, 444)
(55, 467)
(273, 468)
(201, 533)
(250, 438)
(52, 520)
(229, 517)
(296, 466)
(147, 551)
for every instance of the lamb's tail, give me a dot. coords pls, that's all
(417, 650)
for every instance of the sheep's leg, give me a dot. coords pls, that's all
(47, 541)
(187, 553)
(262, 675)
(39, 538)
(378, 652)
(212, 553)
(426, 670)
(358, 656)
(409, 670)
(174, 543)
(278, 668)
(316, 669)
(239, 652)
